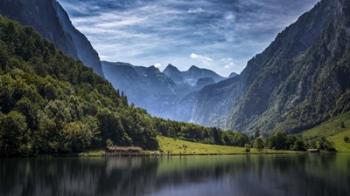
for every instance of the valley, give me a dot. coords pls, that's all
(159, 98)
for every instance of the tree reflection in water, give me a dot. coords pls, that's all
(191, 175)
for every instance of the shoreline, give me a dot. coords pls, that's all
(157, 154)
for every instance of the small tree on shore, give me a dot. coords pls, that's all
(342, 125)
(247, 148)
(109, 143)
(259, 144)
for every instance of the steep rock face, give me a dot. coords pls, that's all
(191, 76)
(85, 52)
(202, 82)
(300, 80)
(146, 87)
(294, 83)
(211, 104)
(165, 94)
(174, 73)
(50, 19)
(195, 73)
(232, 75)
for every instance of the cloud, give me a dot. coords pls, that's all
(201, 57)
(228, 63)
(166, 31)
(195, 11)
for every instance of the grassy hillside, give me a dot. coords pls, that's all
(335, 130)
(176, 146)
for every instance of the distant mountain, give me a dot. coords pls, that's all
(232, 75)
(50, 19)
(299, 81)
(160, 93)
(174, 73)
(146, 87)
(191, 76)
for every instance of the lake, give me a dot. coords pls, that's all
(243, 175)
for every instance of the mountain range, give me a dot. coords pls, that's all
(158, 92)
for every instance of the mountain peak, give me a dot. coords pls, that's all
(153, 68)
(233, 74)
(171, 67)
(193, 68)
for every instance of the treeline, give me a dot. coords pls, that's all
(196, 133)
(283, 141)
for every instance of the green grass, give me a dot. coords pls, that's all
(181, 147)
(333, 131)
(339, 142)
(176, 146)
(93, 153)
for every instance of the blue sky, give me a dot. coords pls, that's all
(221, 35)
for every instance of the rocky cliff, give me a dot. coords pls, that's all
(50, 19)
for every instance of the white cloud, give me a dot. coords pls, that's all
(167, 31)
(228, 63)
(195, 11)
(201, 57)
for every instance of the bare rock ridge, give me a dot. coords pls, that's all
(159, 92)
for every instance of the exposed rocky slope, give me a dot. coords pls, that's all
(158, 92)
(300, 80)
(51, 20)
(191, 76)
(146, 87)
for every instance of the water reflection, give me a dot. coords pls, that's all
(201, 175)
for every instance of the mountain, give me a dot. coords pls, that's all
(174, 73)
(191, 76)
(232, 75)
(146, 87)
(50, 19)
(160, 93)
(299, 81)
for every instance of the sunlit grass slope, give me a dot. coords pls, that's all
(176, 146)
(335, 130)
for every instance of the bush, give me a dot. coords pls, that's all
(342, 125)
(346, 139)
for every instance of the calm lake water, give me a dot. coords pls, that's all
(192, 175)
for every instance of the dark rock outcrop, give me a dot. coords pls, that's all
(53, 23)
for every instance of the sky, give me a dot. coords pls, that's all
(221, 35)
